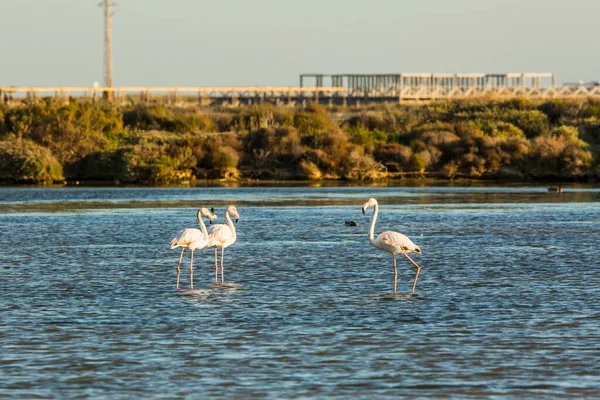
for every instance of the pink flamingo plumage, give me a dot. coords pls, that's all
(193, 239)
(221, 236)
(392, 242)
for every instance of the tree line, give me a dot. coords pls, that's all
(52, 140)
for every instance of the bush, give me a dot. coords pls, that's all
(312, 124)
(368, 139)
(395, 157)
(156, 143)
(160, 117)
(23, 161)
(591, 131)
(273, 147)
(419, 161)
(71, 131)
(310, 170)
(559, 156)
(358, 166)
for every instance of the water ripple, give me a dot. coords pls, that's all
(507, 305)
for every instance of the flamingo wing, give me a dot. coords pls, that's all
(187, 237)
(398, 240)
(219, 234)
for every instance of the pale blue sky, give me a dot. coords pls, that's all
(269, 42)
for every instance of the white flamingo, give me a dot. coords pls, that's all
(392, 242)
(221, 236)
(193, 239)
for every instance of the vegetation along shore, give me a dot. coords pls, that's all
(50, 140)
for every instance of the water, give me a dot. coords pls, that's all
(507, 304)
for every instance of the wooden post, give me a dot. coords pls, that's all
(401, 89)
(522, 81)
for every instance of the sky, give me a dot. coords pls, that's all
(270, 42)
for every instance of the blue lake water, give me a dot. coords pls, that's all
(507, 304)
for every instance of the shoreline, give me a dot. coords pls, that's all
(247, 183)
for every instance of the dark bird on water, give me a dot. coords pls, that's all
(557, 189)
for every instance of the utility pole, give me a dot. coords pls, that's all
(108, 48)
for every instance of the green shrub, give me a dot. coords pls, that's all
(23, 161)
(533, 123)
(71, 131)
(560, 111)
(160, 117)
(312, 124)
(502, 130)
(368, 139)
(419, 161)
(591, 131)
(156, 143)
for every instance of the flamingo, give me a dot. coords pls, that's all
(392, 242)
(221, 236)
(193, 239)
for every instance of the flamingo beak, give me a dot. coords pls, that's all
(363, 210)
(212, 210)
(236, 220)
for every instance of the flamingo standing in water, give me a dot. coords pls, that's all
(193, 239)
(221, 236)
(392, 242)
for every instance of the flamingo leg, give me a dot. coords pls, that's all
(395, 273)
(222, 269)
(192, 270)
(418, 270)
(216, 266)
(179, 265)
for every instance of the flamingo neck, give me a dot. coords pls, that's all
(372, 229)
(230, 224)
(202, 227)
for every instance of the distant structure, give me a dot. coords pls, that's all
(344, 89)
(424, 86)
(590, 84)
(172, 94)
(108, 45)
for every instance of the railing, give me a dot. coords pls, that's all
(434, 93)
(426, 90)
(172, 92)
